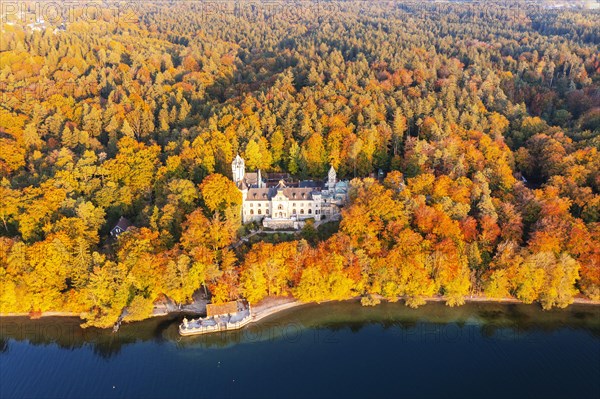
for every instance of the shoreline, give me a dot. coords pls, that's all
(51, 313)
(265, 309)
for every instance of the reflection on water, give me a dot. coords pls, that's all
(434, 321)
(330, 350)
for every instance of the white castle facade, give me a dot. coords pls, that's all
(283, 206)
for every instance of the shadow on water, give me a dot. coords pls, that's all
(489, 319)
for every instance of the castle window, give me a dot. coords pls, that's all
(267, 211)
(294, 212)
(251, 205)
(310, 211)
(260, 212)
(280, 207)
(259, 204)
(302, 211)
(252, 211)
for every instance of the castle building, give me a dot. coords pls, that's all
(284, 205)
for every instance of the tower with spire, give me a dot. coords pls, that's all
(238, 169)
(331, 179)
(259, 181)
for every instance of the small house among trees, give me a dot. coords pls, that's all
(122, 225)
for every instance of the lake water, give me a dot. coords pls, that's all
(329, 350)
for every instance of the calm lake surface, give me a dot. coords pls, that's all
(329, 350)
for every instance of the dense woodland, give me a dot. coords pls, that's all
(141, 118)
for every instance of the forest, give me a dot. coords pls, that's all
(485, 120)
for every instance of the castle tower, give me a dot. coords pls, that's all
(259, 181)
(238, 169)
(331, 179)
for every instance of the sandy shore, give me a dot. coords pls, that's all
(476, 298)
(43, 314)
(272, 305)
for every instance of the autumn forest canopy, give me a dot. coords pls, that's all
(484, 119)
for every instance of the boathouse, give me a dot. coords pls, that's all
(221, 309)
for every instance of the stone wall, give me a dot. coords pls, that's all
(279, 224)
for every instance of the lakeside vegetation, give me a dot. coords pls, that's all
(142, 118)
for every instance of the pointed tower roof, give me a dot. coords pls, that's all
(281, 185)
(332, 171)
